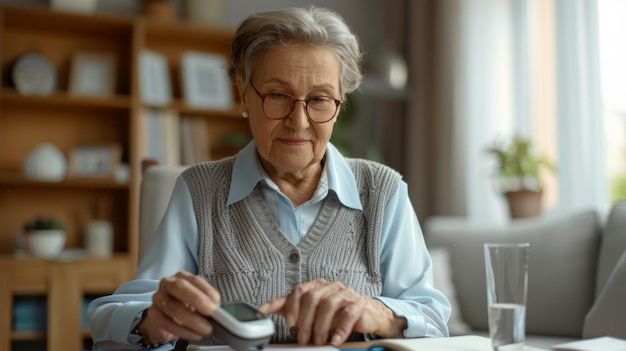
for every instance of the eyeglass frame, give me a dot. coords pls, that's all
(293, 105)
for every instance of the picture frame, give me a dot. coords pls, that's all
(205, 81)
(154, 80)
(94, 161)
(93, 74)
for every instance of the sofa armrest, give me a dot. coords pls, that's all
(613, 244)
(607, 317)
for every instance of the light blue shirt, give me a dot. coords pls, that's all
(404, 260)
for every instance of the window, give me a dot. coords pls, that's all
(552, 70)
(612, 32)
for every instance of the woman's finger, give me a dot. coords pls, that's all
(330, 302)
(275, 306)
(345, 321)
(201, 284)
(183, 316)
(194, 292)
(309, 309)
(293, 304)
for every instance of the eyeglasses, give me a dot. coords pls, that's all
(319, 109)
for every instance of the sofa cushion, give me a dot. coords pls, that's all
(562, 268)
(613, 243)
(442, 275)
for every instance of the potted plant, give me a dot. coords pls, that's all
(518, 175)
(44, 237)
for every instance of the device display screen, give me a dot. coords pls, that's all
(242, 312)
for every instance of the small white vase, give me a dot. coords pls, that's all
(81, 6)
(46, 163)
(99, 239)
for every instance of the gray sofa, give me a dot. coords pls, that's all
(577, 273)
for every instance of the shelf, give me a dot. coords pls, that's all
(180, 106)
(27, 335)
(18, 180)
(11, 97)
(41, 18)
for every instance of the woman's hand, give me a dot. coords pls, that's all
(179, 309)
(319, 307)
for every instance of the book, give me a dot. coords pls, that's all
(170, 137)
(201, 139)
(195, 140)
(187, 141)
(455, 343)
(152, 146)
(605, 343)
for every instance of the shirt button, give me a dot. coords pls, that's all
(294, 257)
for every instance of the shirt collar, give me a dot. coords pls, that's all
(247, 172)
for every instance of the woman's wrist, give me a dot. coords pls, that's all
(391, 326)
(139, 330)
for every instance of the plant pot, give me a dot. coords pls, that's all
(46, 243)
(524, 203)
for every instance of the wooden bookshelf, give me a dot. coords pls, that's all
(67, 121)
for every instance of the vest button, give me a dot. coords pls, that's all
(294, 257)
(293, 331)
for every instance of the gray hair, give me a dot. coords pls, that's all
(313, 26)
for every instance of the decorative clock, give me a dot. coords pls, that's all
(34, 74)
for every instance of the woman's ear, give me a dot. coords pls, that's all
(241, 89)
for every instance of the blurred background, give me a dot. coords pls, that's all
(448, 78)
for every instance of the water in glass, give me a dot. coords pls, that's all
(506, 326)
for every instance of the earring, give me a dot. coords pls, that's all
(244, 114)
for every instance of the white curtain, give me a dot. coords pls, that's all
(582, 176)
(482, 96)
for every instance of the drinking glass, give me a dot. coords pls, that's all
(506, 266)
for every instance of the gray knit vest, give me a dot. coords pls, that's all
(243, 253)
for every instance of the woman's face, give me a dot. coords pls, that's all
(293, 145)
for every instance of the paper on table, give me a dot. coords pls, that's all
(272, 347)
(455, 343)
(604, 343)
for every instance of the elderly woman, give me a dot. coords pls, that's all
(329, 246)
